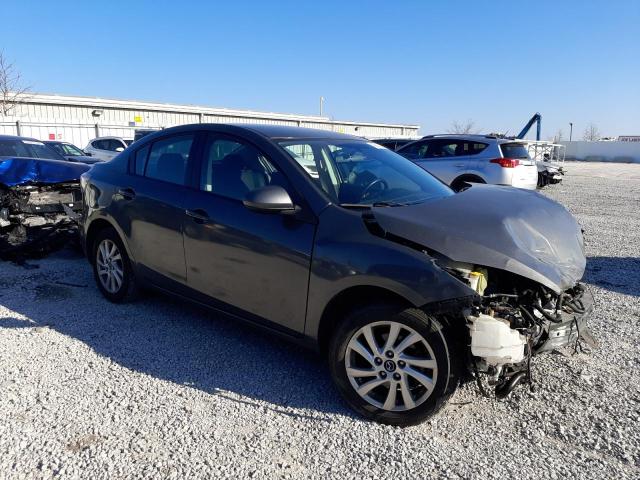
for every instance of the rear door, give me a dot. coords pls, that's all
(438, 157)
(153, 204)
(252, 261)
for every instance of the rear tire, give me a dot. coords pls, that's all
(112, 267)
(408, 379)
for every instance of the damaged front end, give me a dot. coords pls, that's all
(523, 256)
(40, 202)
(514, 319)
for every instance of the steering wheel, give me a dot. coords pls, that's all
(368, 188)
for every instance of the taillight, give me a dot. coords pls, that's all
(506, 162)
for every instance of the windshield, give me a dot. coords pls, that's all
(71, 150)
(358, 173)
(28, 149)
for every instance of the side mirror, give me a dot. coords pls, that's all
(88, 154)
(120, 149)
(269, 199)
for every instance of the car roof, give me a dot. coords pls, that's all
(470, 136)
(286, 132)
(395, 139)
(107, 138)
(475, 136)
(15, 137)
(271, 132)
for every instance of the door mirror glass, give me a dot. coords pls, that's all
(272, 198)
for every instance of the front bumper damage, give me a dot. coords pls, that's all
(37, 219)
(40, 203)
(572, 328)
(508, 330)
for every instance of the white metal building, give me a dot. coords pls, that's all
(80, 119)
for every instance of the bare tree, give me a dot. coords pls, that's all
(559, 136)
(12, 91)
(469, 127)
(591, 133)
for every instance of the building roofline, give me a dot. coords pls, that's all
(99, 102)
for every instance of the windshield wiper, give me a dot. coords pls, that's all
(370, 205)
(355, 205)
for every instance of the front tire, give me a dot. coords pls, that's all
(392, 365)
(112, 267)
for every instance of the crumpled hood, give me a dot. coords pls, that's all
(18, 171)
(516, 230)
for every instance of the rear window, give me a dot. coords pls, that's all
(514, 150)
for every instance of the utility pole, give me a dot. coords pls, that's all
(570, 130)
(321, 104)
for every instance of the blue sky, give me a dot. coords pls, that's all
(424, 62)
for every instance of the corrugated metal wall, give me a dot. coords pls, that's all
(76, 119)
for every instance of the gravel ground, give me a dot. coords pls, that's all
(162, 389)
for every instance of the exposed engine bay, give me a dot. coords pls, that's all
(38, 219)
(40, 201)
(515, 319)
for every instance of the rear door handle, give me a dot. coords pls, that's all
(127, 193)
(198, 215)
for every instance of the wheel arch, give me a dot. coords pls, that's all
(348, 299)
(467, 177)
(95, 227)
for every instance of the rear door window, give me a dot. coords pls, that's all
(471, 148)
(514, 150)
(168, 159)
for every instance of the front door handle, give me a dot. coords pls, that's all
(127, 193)
(198, 215)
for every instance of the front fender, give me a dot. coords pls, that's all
(347, 255)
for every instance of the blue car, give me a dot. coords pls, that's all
(39, 198)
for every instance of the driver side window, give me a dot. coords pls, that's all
(232, 168)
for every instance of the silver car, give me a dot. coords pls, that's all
(461, 159)
(105, 148)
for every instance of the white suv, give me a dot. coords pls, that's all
(105, 148)
(458, 159)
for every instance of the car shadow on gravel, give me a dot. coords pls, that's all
(184, 344)
(618, 274)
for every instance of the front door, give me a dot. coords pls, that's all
(252, 261)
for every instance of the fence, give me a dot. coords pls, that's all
(621, 152)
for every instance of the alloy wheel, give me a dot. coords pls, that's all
(391, 366)
(109, 266)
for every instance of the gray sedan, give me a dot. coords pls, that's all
(343, 245)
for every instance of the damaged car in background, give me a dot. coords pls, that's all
(344, 245)
(39, 199)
